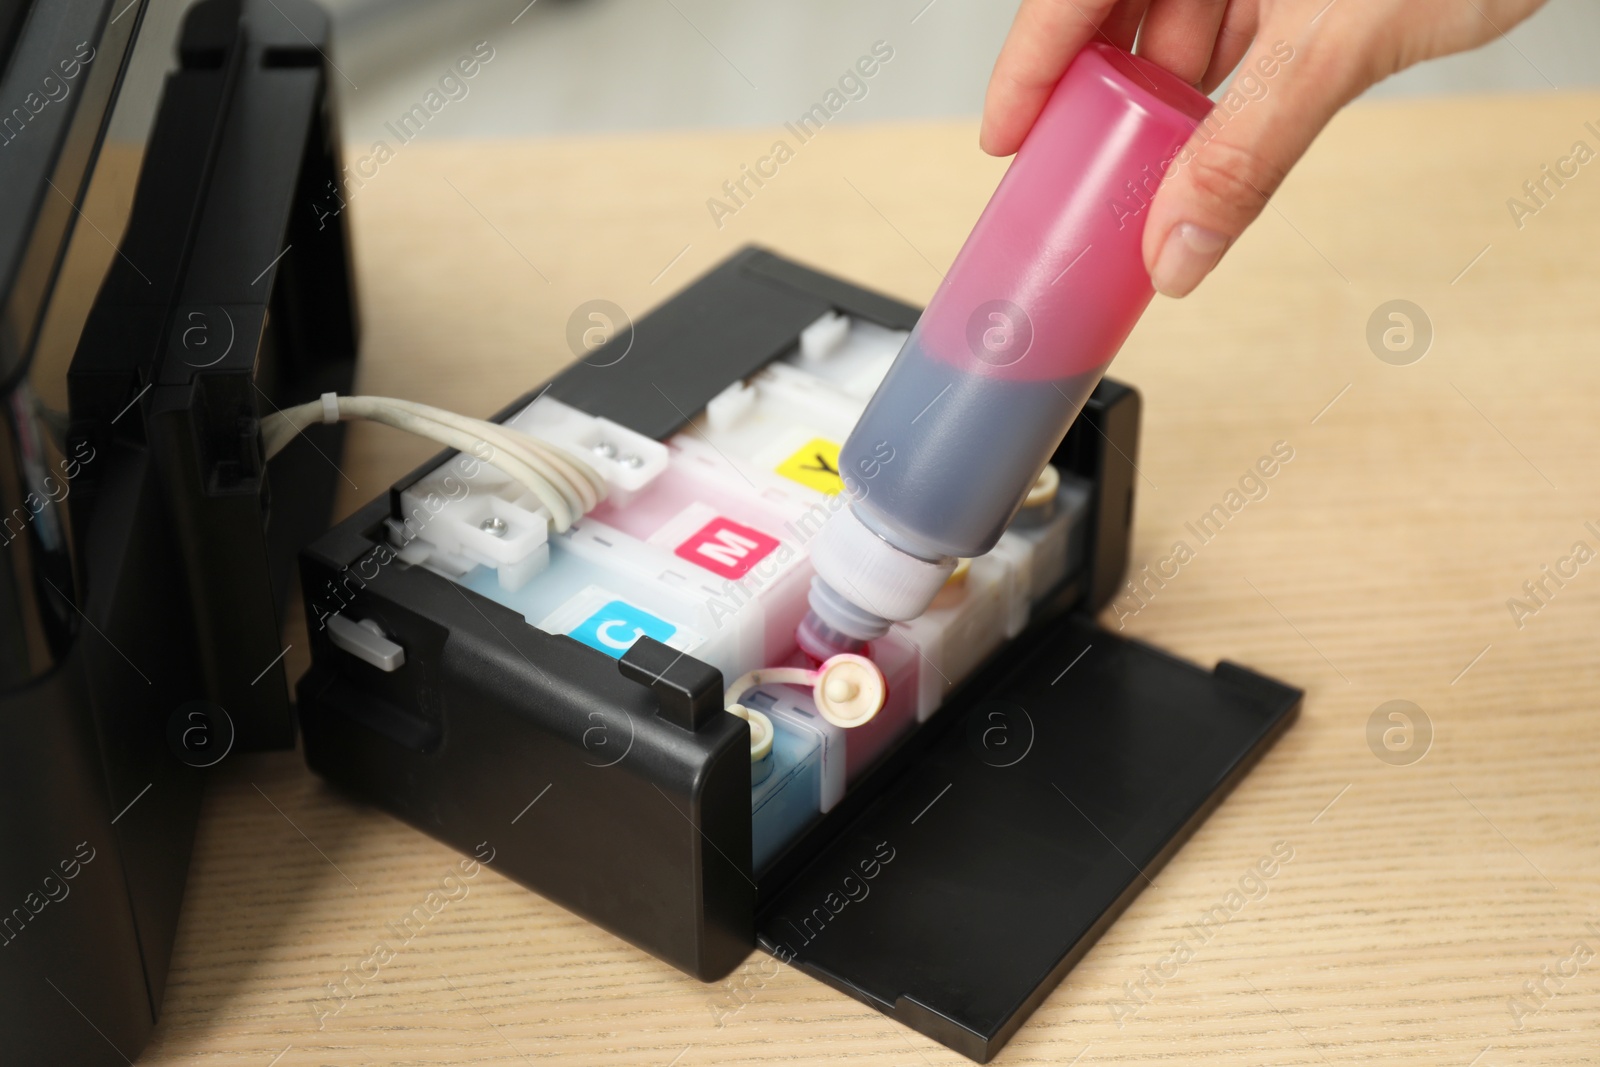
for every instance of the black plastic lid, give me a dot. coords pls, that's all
(969, 886)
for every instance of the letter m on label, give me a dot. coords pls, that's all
(726, 548)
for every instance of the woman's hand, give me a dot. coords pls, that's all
(1223, 179)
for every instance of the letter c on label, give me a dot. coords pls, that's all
(603, 633)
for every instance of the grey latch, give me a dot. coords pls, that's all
(366, 641)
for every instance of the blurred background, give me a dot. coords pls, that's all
(588, 66)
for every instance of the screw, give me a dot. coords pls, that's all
(631, 461)
(606, 450)
(493, 525)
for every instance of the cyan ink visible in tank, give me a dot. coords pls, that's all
(786, 798)
(1038, 301)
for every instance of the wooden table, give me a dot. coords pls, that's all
(1423, 895)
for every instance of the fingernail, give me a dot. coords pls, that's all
(1188, 256)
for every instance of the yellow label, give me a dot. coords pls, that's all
(814, 465)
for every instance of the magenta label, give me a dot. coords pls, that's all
(727, 548)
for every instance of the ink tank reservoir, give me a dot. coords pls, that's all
(1038, 301)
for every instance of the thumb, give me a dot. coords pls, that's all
(1281, 97)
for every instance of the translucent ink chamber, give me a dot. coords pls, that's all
(704, 541)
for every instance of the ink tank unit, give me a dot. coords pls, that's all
(947, 860)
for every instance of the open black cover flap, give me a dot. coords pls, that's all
(968, 888)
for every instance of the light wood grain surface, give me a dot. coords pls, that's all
(1424, 899)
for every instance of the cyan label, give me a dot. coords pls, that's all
(617, 625)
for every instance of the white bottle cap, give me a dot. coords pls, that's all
(875, 577)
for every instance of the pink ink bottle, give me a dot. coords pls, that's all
(1047, 287)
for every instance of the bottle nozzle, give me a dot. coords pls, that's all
(821, 641)
(864, 583)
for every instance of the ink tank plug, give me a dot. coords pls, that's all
(1041, 296)
(848, 690)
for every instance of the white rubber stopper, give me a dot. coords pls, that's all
(849, 690)
(1045, 489)
(760, 730)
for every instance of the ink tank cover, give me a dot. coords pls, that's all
(969, 885)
